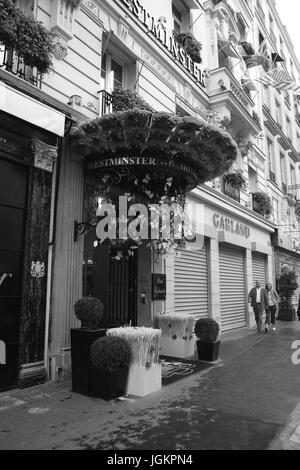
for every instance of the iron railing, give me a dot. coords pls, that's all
(105, 102)
(272, 176)
(11, 62)
(294, 191)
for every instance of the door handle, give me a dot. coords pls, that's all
(4, 276)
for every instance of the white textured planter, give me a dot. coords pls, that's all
(177, 347)
(143, 380)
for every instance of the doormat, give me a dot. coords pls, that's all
(174, 369)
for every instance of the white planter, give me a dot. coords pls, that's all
(142, 380)
(177, 347)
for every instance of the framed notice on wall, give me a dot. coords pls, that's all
(158, 286)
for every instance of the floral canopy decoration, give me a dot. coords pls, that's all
(149, 157)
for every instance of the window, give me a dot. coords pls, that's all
(288, 128)
(111, 73)
(177, 18)
(283, 168)
(252, 181)
(278, 115)
(275, 205)
(293, 175)
(270, 154)
(266, 94)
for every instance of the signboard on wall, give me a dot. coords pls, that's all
(158, 287)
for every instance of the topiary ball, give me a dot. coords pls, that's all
(207, 330)
(89, 310)
(110, 353)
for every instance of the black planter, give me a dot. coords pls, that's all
(287, 314)
(81, 341)
(108, 385)
(208, 351)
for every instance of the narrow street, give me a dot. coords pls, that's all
(249, 400)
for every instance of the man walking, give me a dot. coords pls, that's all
(258, 298)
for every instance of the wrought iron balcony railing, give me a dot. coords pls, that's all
(272, 177)
(105, 102)
(284, 188)
(14, 64)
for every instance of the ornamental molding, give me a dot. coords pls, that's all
(155, 65)
(60, 47)
(44, 155)
(37, 269)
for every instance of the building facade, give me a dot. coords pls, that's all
(99, 47)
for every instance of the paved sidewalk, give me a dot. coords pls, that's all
(249, 400)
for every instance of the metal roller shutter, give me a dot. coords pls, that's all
(259, 268)
(232, 288)
(191, 283)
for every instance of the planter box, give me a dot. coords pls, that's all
(106, 384)
(208, 351)
(143, 380)
(177, 347)
(287, 314)
(81, 341)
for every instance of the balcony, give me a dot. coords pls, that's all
(228, 97)
(10, 62)
(105, 102)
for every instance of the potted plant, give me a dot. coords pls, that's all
(262, 204)
(286, 285)
(236, 180)
(177, 339)
(110, 357)
(89, 310)
(248, 48)
(145, 369)
(207, 331)
(191, 46)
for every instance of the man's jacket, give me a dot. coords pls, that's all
(263, 297)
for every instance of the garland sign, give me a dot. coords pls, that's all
(161, 35)
(236, 228)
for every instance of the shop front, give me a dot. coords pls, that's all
(215, 280)
(28, 154)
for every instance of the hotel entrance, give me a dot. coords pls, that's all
(112, 281)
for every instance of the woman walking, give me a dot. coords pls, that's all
(271, 307)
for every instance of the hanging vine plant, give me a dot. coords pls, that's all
(30, 39)
(191, 45)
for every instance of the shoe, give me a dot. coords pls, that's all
(274, 328)
(266, 328)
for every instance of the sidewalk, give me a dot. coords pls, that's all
(249, 400)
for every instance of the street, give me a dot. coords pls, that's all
(249, 400)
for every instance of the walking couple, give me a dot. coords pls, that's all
(264, 299)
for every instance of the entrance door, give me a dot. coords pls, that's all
(113, 282)
(13, 184)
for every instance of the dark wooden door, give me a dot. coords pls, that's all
(113, 282)
(13, 189)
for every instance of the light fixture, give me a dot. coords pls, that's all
(75, 100)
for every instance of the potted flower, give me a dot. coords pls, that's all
(145, 369)
(177, 339)
(236, 180)
(110, 357)
(207, 331)
(89, 310)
